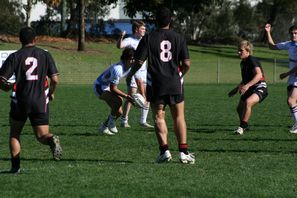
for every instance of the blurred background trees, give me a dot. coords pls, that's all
(210, 21)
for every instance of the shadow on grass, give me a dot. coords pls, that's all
(245, 151)
(75, 160)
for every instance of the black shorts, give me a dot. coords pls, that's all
(291, 87)
(261, 92)
(36, 119)
(168, 99)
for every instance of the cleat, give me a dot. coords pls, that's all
(56, 148)
(239, 130)
(165, 157)
(146, 125)
(293, 129)
(125, 125)
(103, 130)
(187, 158)
(15, 170)
(112, 127)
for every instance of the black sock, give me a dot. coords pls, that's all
(163, 148)
(243, 124)
(15, 163)
(183, 148)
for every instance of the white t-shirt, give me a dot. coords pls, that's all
(112, 75)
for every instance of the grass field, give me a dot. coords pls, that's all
(261, 163)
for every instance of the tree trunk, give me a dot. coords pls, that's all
(81, 37)
(63, 17)
(28, 12)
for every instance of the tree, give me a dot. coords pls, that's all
(81, 37)
(11, 17)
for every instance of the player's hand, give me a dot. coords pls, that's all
(283, 75)
(123, 33)
(51, 97)
(6, 86)
(243, 89)
(268, 27)
(129, 98)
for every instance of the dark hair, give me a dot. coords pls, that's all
(128, 53)
(293, 27)
(137, 24)
(163, 16)
(27, 35)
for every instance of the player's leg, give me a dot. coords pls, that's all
(249, 103)
(292, 97)
(180, 129)
(140, 78)
(16, 128)
(161, 132)
(240, 111)
(132, 89)
(115, 103)
(40, 126)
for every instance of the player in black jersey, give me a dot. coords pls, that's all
(252, 88)
(32, 67)
(168, 61)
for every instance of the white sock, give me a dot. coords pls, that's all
(143, 116)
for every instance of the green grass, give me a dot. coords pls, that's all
(261, 163)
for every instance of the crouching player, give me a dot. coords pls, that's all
(106, 88)
(252, 88)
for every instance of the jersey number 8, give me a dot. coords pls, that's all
(165, 54)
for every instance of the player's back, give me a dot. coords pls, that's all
(32, 65)
(166, 48)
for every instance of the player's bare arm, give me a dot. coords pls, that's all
(53, 84)
(135, 67)
(256, 79)
(185, 66)
(114, 89)
(269, 37)
(120, 41)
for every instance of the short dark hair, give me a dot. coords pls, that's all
(293, 27)
(163, 17)
(137, 24)
(27, 35)
(128, 53)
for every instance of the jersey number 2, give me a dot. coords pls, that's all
(165, 54)
(32, 62)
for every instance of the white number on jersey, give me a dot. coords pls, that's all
(165, 54)
(32, 62)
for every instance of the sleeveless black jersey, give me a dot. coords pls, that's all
(164, 49)
(248, 66)
(32, 66)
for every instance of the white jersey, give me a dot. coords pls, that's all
(292, 52)
(141, 73)
(112, 75)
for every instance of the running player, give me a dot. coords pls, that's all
(33, 67)
(139, 79)
(106, 88)
(165, 51)
(252, 88)
(291, 46)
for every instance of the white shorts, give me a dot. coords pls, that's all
(140, 75)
